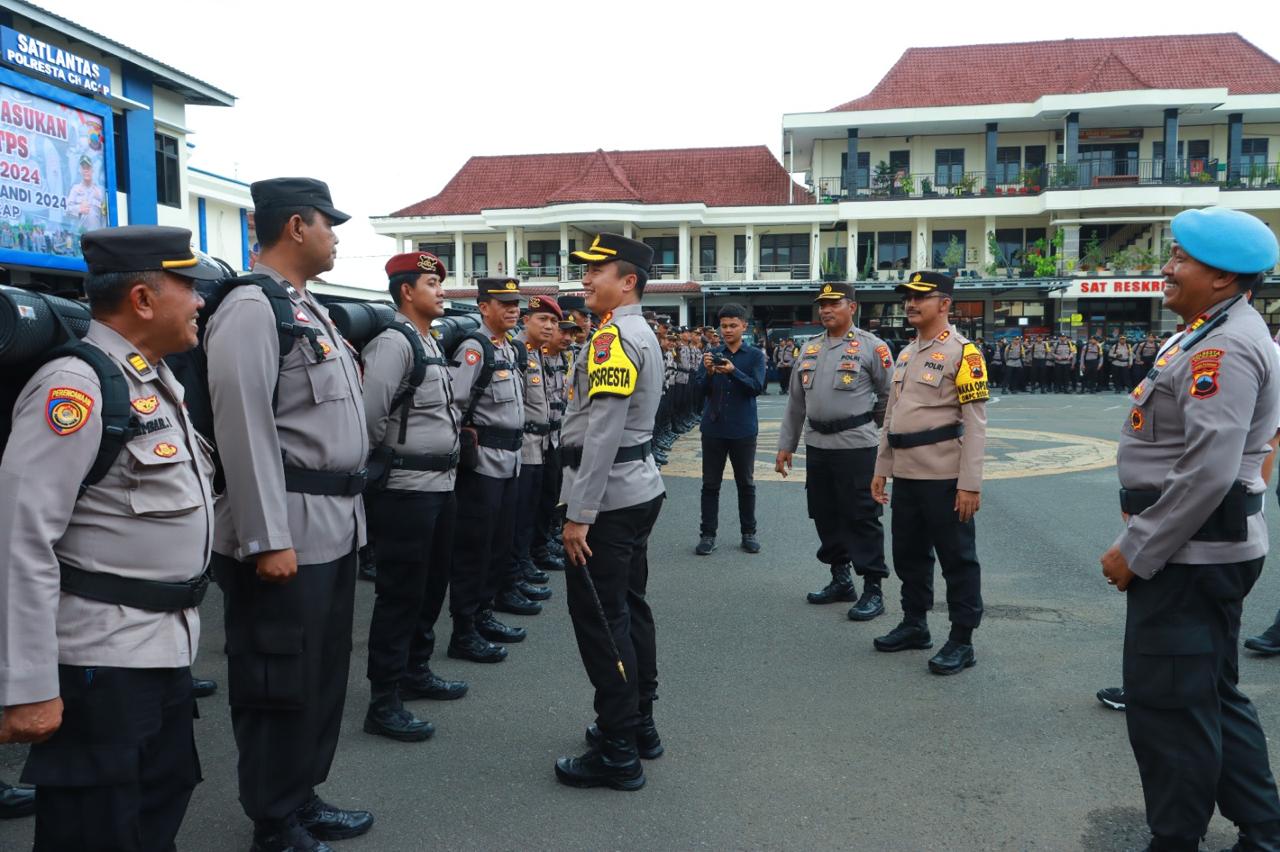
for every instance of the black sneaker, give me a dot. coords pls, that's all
(326, 822)
(495, 631)
(954, 658)
(510, 600)
(706, 545)
(869, 606)
(907, 636)
(1113, 697)
(750, 543)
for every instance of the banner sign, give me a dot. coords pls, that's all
(52, 62)
(1112, 288)
(54, 184)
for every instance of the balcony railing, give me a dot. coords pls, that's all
(949, 182)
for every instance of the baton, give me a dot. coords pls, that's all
(595, 599)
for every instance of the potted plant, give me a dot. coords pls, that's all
(926, 188)
(967, 183)
(831, 271)
(953, 257)
(882, 180)
(1031, 178)
(1066, 175)
(522, 269)
(907, 184)
(1092, 256)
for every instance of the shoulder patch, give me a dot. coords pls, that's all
(67, 410)
(971, 378)
(610, 370)
(886, 359)
(471, 356)
(1205, 366)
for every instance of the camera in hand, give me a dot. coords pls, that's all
(719, 361)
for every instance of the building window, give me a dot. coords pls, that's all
(900, 162)
(666, 254)
(1253, 158)
(444, 251)
(1033, 164)
(121, 151)
(544, 258)
(1008, 164)
(893, 249)
(740, 253)
(168, 186)
(942, 243)
(785, 253)
(1009, 242)
(948, 166)
(479, 259)
(863, 176)
(707, 254)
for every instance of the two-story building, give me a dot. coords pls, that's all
(94, 133)
(1042, 174)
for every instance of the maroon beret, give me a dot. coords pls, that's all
(546, 305)
(421, 262)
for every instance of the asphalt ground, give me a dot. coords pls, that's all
(783, 728)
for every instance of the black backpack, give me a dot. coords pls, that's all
(488, 366)
(65, 321)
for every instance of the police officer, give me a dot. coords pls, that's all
(412, 510)
(85, 201)
(613, 493)
(1190, 456)
(932, 446)
(1040, 364)
(1016, 374)
(1091, 364)
(786, 361)
(99, 677)
(542, 421)
(492, 422)
(1121, 364)
(547, 551)
(997, 364)
(293, 441)
(575, 309)
(837, 399)
(1064, 355)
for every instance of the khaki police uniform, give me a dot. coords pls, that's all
(1015, 371)
(304, 413)
(487, 492)
(80, 573)
(932, 445)
(612, 483)
(412, 519)
(838, 391)
(546, 523)
(1064, 354)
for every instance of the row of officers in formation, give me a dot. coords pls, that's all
(267, 459)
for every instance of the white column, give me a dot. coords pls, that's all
(922, 245)
(684, 311)
(685, 274)
(564, 251)
(626, 230)
(749, 259)
(459, 258)
(988, 257)
(851, 252)
(815, 252)
(511, 252)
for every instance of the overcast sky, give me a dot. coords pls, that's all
(386, 100)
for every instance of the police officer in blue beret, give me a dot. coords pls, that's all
(1190, 459)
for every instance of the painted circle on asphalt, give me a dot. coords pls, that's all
(1010, 454)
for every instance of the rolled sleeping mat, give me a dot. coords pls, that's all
(28, 327)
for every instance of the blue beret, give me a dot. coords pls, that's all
(1230, 240)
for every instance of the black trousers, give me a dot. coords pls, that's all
(288, 655)
(1040, 374)
(119, 772)
(1061, 377)
(619, 568)
(741, 453)
(997, 374)
(784, 378)
(924, 522)
(528, 497)
(414, 531)
(838, 491)
(546, 523)
(1015, 378)
(482, 549)
(1092, 376)
(662, 418)
(1195, 736)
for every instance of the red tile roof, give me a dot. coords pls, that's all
(1023, 72)
(653, 287)
(717, 177)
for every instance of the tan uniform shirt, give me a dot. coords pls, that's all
(1200, 427)
(925, 396)
(501, 404)
(432, 428)
(836, 377)
(150, 517)
(318, 424)
(537, 408)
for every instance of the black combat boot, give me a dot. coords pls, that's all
(911, 634)
(387, 717)
(467, 644)
(424, 683)
(839, 589)
(615, 764)
(648, 743)
(285, 835)
(495, 631)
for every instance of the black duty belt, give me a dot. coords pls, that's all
(1229, 521)
(907, 440)
(328, 483)
(151, 595)
(532, 428)
(425, 462)
(497, 438)
(559, 405)
(572, 456)
(831, 427)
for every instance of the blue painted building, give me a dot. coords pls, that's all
(93, 133)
